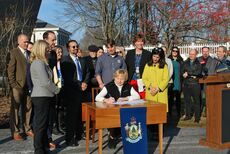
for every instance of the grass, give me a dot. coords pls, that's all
(176, 122)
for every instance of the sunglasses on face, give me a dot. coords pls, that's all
(118, 52)
(174, 50)
(74, 47)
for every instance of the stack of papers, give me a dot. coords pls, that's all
(134, 102)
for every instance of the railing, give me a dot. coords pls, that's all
(184, 49)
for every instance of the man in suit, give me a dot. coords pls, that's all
(76, 77)
(223, 64)
(136, 60)
(17, 70)
(50, 38)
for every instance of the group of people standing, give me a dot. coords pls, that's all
(61, 83)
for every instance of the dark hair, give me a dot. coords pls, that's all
(93, 48)
(29, 42)
(110, 42)
(46, 34)
(179, 58)
(58, 47)
(67, 44)
(138, 37)
(205, 47)
(160, 52)
(100, 48)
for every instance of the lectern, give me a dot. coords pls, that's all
(218, 111)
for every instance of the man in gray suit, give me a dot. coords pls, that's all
(20, 94)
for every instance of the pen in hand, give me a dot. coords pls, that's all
(110, 99)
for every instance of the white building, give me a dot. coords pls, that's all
(63, 36)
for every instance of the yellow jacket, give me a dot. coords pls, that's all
(156, 77)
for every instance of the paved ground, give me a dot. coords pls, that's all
(176, 141)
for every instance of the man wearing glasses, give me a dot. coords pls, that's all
(76, 78)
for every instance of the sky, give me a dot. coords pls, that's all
(50, 11)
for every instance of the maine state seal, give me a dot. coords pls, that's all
(133, 131)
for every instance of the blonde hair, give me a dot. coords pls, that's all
(39, 51)
(121, 72)
(122, 50)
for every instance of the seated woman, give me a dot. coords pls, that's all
(117, 90)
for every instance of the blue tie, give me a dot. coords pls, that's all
(79, 71)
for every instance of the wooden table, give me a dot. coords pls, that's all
(108, 116)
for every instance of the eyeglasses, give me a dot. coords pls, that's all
(174, 50)
(118, 52)
(157, 50)
(74, 47)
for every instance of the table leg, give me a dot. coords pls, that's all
(87, 129)
(93, 131)
(160, 128)
(100, 141)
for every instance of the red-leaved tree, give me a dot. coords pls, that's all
(176, 21)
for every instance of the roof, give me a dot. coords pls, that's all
(43, 24)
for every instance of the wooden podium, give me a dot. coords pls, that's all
(218, 111)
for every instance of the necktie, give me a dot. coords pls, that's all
(25, 54)
(79, 71)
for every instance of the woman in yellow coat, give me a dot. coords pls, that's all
(156, 77)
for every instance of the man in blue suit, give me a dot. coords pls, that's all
(76, 77)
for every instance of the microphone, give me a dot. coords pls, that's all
(226, 62)
(205, 70)
(225, 65)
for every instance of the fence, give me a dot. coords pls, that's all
(184, 49)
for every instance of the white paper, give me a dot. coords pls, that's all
(135, 102)
(140, 85)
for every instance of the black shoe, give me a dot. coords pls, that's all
(70, 142)
(187, 118)
(76, 143)
(112, 143)
(82, 137)
(63, 128)
(57, 132)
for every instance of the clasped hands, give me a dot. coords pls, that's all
(185, 75)
(83, 86)
(153, 90)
